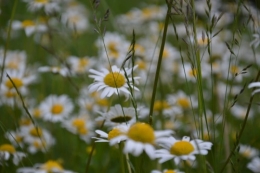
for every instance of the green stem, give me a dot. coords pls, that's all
(121, 146)
(8, 39)
(242, 128)
(159, 61)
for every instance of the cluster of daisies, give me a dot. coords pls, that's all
(113, 95)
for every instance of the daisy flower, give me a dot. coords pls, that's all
(7, 152)
(49, 166)
(37, 139)
(181, 149)
(141, 137)
(112, 82)
(49, 6)
(167, 171)
(248, 151)
(80, 65)
(118, 115)
(63, 71)
(115, 132)
(81, 125)
(56, 108)
(254, 165)
(29, 26)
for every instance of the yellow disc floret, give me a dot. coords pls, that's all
(7, 147)
(183, 102)
(115, 80)
(114, 133)
(169, 171)
(17, 82)
(51, 165)
(141, 132)
(36, 132)
(57, 108)
(181, 148)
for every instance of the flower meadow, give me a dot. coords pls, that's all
(131, 87)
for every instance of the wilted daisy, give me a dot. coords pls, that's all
(7, 152)
(112, 82)
(118, 115)
(141, 137)
(254, 165)
(49, 166)
(56, 108)
(181, 149)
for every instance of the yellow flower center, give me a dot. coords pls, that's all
(17, 82)
(141, 65)
(102, 102)
(165, 53)
(27, 23)
(79, 124)
(246, 153)
(12, 65)
(183, 102)
(57, 108)
(7, 147)
(160, 105)
(36, 132)
(115, 80)
(10, 94)
(18, 138)
(193, 72)
(50, 165)
(25, 122)
(181, 148)
(39, 144)
(141, 132)
(169, 171)
(36, 112)
(112, 47)
(114, 133)
(234, 69)
(139, 48)
(121, 119)
(41, 1)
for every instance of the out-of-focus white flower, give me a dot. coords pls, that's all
(29, 26)
(254, 165)
(248, 151)
(81, 125)
(49, 6)
(49, 166)
(7, 152)
(56, 108)
(63, 71)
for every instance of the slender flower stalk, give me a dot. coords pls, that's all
(159, 61)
